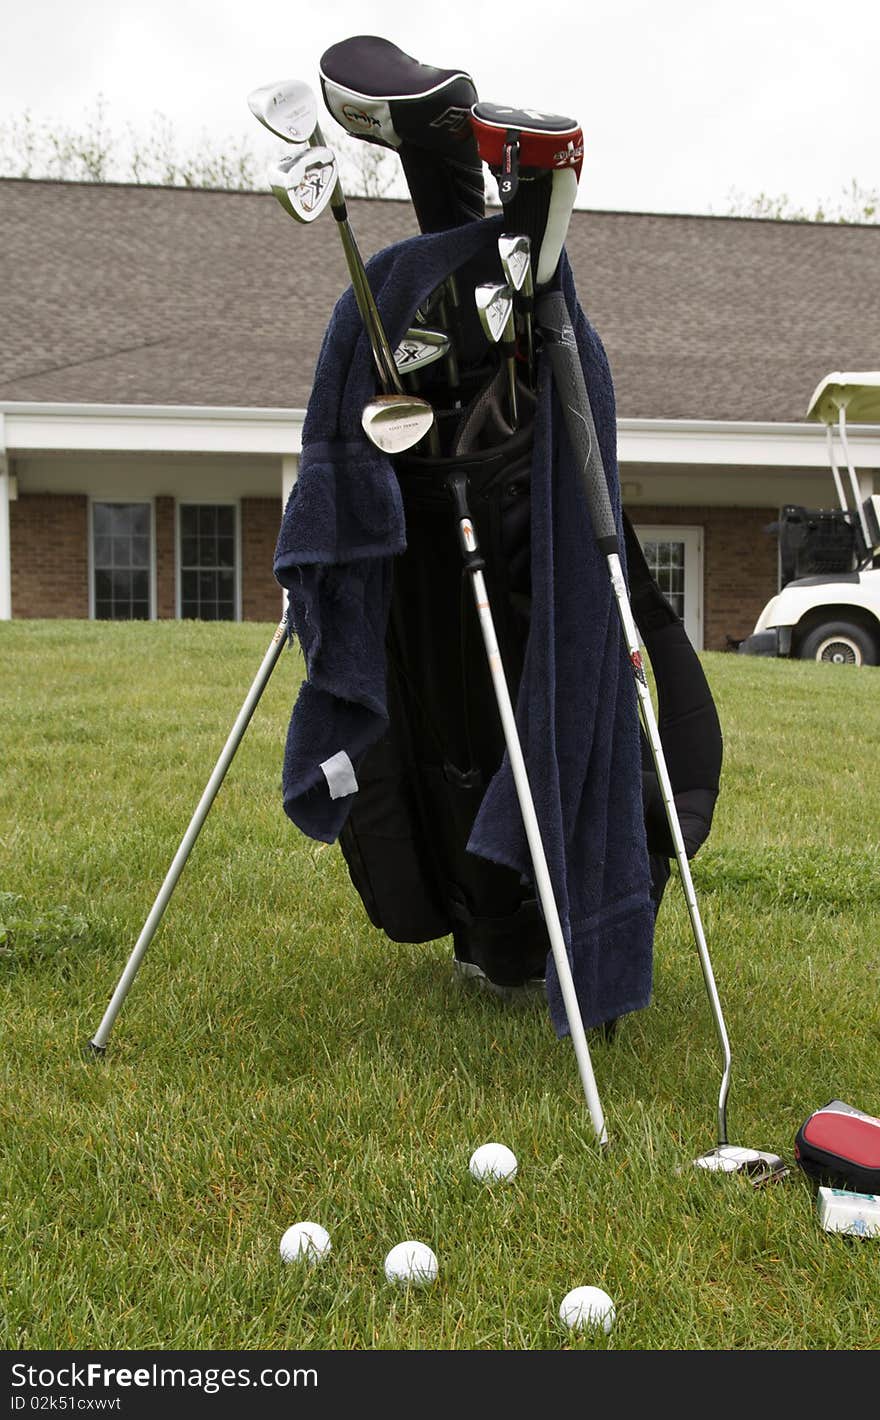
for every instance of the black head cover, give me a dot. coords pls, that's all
(379, 94)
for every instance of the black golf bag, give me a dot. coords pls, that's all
(422, 784)
(420, 787)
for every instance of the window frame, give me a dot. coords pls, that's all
(125, 501)
(235, 504)
(694, 575)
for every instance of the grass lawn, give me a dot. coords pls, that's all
(279, 1059)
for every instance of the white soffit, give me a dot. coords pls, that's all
(148, 428)
(210, 430)
(707, 441)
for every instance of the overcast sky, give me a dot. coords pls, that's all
(681, 101)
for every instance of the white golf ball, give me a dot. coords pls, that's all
(411, 1263)
(587, 1306)
(492, 1162)
(305, 1242)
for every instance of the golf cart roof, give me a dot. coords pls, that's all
(858, 394)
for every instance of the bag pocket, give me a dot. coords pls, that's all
(840, 1145)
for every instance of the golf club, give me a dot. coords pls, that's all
(560, 342)
(380, 95)
(304, 182)
(495, 308)
(289, 110)
(516, 262)
(394, 421)
(420, 346)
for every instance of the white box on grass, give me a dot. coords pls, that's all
(856, 1214)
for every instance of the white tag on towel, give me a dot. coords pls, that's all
(340, 775)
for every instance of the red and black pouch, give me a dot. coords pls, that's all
(840, 1146)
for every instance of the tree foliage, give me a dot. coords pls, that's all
(99, 151)
(856, 204)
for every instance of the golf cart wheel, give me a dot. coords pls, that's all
(841, 642)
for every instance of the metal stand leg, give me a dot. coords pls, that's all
(474, 565)
(99, 1040)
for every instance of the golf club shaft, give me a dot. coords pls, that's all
(526, 295)
(561, 345)
(450, 314)
(473, 564)
(652, 732)
(508, 351)
(276, 646)
(382, 352)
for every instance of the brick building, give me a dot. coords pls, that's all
(158, 349)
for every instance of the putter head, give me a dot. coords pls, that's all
(516, 261)
(420, 346)
(495, 308)
(395, 422)
(304, 183)
(759, 1166)
(288, 109)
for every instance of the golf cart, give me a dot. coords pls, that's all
(829, 606)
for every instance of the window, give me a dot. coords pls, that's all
(675, 557)
(207, 561)
(121, 561)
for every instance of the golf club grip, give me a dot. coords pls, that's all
(561, 346)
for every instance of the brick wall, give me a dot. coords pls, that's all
(50, 558)
(739, 564)
(166, 599)
(49, 537)
(260, 593)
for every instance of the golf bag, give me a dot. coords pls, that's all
(421, 785)
(405, 810)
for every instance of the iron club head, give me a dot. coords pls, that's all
(420, 346)
(395, 422)
(304, 183)
(288, 109)
(516, 261)
(495, 308)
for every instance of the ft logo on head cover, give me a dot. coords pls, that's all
(456, 120)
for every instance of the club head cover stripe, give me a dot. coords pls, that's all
(545, 142)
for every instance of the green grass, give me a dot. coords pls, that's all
(279, 1059)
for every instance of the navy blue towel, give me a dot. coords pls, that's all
(576, 707)
(577, 716)
(343, 523)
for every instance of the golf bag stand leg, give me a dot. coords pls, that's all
(98, 1042)
(561, 346)
(457, 484)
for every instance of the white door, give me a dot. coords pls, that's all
(675, 557)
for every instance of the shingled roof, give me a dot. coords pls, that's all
(126, 295)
